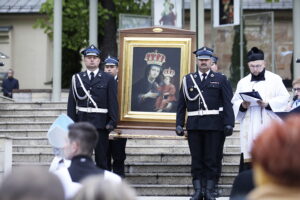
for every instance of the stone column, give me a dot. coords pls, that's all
(5, 155)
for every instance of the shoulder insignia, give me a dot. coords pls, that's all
(195, 75)
(212, 75)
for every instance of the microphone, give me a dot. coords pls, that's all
(295, 97)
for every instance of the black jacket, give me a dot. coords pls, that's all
(103, 90)
(217, 92)
(83, 166)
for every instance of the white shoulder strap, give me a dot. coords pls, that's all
(199, 91)
(86, 92)
(185, 91)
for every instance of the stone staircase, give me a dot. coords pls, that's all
(155, 167)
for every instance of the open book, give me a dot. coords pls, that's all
(251, 97)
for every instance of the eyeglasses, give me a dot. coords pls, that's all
(296, 89)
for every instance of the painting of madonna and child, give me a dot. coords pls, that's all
(155, 79)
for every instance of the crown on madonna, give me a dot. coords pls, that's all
(155, 58)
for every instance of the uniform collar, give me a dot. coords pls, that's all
(95, 72)
(81, 158)
(200, 73)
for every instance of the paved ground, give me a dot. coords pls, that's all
(173, 198)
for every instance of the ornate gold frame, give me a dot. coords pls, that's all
(128, 44)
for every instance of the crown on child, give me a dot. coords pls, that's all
(155, 58)
(169, 72)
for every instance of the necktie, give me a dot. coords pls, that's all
(92, 76)
(203, 77)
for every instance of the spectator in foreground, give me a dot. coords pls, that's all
(98, 188)
(31, 184)
(276, 161)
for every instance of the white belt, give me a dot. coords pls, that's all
(204, 112)
(92, 110)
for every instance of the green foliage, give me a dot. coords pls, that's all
(235, 58)
(75, 22)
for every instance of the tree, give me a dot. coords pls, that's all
(235, 58)
(75, 28)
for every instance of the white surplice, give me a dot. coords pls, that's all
(271, 90)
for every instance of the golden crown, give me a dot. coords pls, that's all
(155, 58)
(169, 72)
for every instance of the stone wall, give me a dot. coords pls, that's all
(258, 33)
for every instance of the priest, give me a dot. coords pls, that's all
(253, 117)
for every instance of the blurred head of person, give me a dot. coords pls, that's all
(31, 183)
(10, 73)
(98, 188)
(296, 88)
(275, 154)
(82, 139)
(91, 57)
(214, 67)
(111, 66)
(256, 62)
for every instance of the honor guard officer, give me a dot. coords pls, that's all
(205, 97)
(116, 147)
(93, 98)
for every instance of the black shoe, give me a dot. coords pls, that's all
(198, 192)
(210, 190)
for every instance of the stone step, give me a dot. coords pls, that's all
(230, 141)
(32, 141)
(22, 133)
(28, 105)
(173, 190)
(33, 111)
(144, 167)
(28, 118)
(25, 125)
(40, 155)
(150, 189)
(26, 147)
(137, 167)
(172, 178)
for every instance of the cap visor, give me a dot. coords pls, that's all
(110, 63)
(91, 54)
(203, 57)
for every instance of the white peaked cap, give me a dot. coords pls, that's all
(58, 131)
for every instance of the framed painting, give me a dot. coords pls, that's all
(152, 69)
(167, 13)
(134, 21)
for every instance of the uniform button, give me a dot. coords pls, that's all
(90, 88)
(90, 102)
(201, 90)
(201, 103)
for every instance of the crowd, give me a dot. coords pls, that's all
(206, 106)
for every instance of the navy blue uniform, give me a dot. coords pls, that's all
(205, 126)
(8, 85)
(103, 90)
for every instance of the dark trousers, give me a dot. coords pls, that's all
(101, 149)
(116, 151)
(204, 148)
(220, 156)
